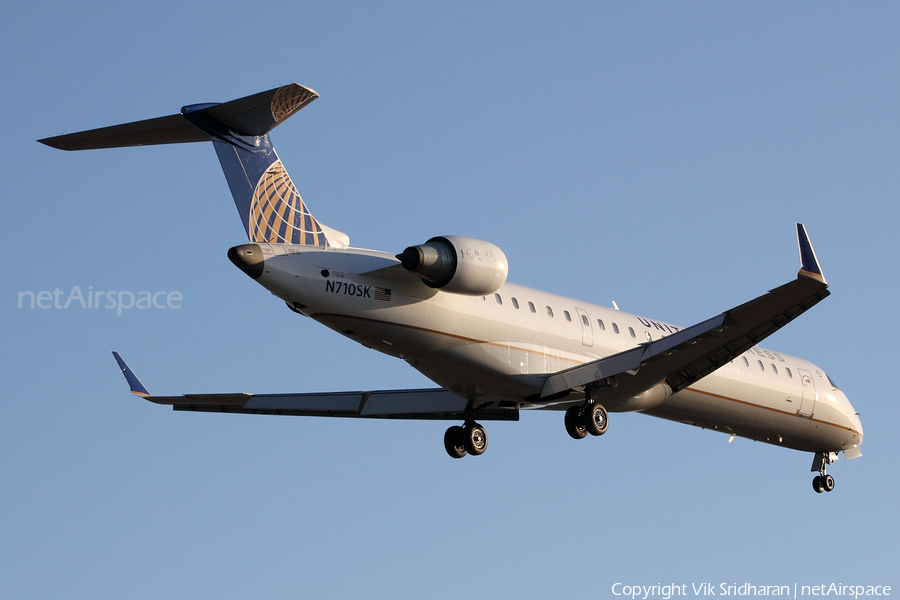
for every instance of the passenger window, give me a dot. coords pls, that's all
(531, 306)
(790, 375)
(550, 312)
(746, 362)
(584, 320)
(631, 331)
(601, 325)
(615, 328)
(774, 368)
(515, 303)
(762, 367)
(649, 337)
(568, 316)
(498, 299)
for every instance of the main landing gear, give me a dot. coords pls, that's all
(589, 418)
(823, 482)
(468, 439)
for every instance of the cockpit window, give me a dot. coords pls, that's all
(831, 382)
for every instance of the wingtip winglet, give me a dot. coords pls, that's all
(809, 263)
(137, 388)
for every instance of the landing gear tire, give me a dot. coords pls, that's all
(596, 419)
(454, 442)
(475, 439)
(575, 425)
(823, 483)
(818, 485)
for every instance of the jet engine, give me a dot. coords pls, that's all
(458, 265)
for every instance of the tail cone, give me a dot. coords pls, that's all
(249, 259)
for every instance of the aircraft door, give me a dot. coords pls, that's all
(587, 332)
(808, 387)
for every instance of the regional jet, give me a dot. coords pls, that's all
(493, 348)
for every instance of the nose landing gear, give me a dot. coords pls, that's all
(823, 482)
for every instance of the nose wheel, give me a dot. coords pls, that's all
(823, 482)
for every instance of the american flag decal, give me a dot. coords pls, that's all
(382, 294)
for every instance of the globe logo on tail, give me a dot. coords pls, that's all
(278, 214)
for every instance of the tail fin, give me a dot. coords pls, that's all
(267, 200)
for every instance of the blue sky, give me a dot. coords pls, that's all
(655, 154)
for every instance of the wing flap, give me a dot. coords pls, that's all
(409, 402)
(421, 403)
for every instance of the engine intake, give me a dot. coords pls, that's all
(458, 265)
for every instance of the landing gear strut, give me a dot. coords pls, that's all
(823, 482)
(468, 439)
(589, 418)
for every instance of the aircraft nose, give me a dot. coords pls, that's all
(857, 424)
(249, 259)
(852, 418)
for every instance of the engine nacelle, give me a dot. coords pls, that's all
(458, 265)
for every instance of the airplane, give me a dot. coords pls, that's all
(494, 348)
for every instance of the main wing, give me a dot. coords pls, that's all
(685, 357)
(429, 404)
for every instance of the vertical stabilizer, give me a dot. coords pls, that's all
(268, 202)
(266, 198)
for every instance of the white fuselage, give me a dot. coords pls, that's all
(497, 349)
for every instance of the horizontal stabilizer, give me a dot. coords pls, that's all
(174, 129)
(260, 113)
(251, 116)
